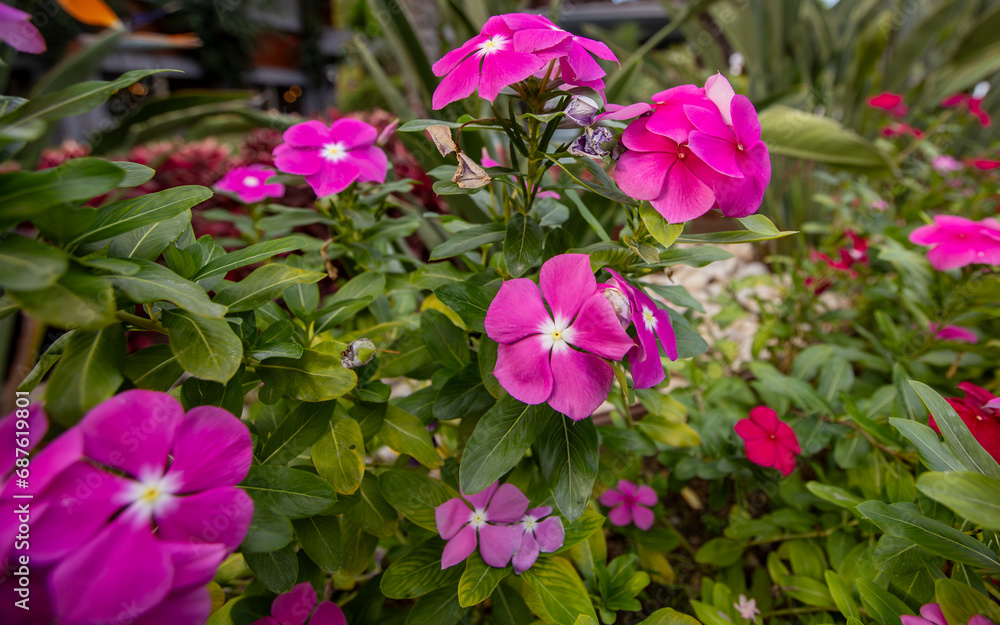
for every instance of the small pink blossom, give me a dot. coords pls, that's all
(486, 516)
(17, 31)
(931, 614)
(250, 184)
(891, 103)
(944, 164)
(957, 334)
(970, 103)
(298, 606)
(769, 442)
(537, 536)
(983, 164)
(332, 157)
(650, 323)
(747, 607)
(899, 129)
(630, 503)
(879, 205)
(957, 241)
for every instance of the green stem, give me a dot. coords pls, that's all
(816, 534)
(140, 322)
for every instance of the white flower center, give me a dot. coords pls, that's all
(496, 43)
(649, 319)
(251, 182)
(555, 334)
(334, 152)
(151, 494)
(529, 523)
(477, 518)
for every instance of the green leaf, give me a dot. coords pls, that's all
(23, 195)
(835, 376)
(478, 581)
(154, 282)
(406, 434)
(462, 394)
(935, 455)
(834, 494)
(88, 373)
(798, 134)
(249, 255)
(580, 530)
(434, 608)
(276, 570)
(296, 493)
(664, 232)
(127, 215)
(961, 441)
(522, 245)
(149, 241)
(588, 216)
(269, 530)
(800, 393)
(358, 547)
(662, 430)
(469, 239)
(78, 300)
(560, 590)
(263, 285)
(507, 607)
(469, 301)
(445, 341)
(46, 361)
(960, 602)
(721, 552)
(296, 432)
(135, 174)
(316, 376)
(500, 440)
(206, 348)
(807, 590)
(29, 265)
(880, 603)
(932, 535)
(972, 495)
(568, 454)
(339, 454)
(154, 368)
(669, 616)
(415, 495)
(841, 595)
(320, 539)
(373, 513)
(693, 256)
(418, 572)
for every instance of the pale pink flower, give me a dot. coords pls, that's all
(486, 516)
(746, 607)
(944, 164)
(537, 536)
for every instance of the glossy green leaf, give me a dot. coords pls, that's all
(127, 215)
(296, 432)
(960, 602)
(444, 340)
(88, 373)
(296, 493)
(415, 495)
(276, 570)
(470, 301)
(316, 376)
(669, 616)
(406, 434)
(78, 300)
(206, 348)
(799, 134)
(263, 285)
(249, 255)
(961, 441)
(479, 580)
(339, 454)
(23, 195)
(469, 239)
(841, 595)
(373, 513)
(721, 552)
(154, 282)
(500, 440)
(418, 572)
(269, 530)
(28, 265)
(46, 361)
(320, 539)
(560, 590)
(933, 453)
(971, 495)
(154, 368)
(567, 455)
(439, 606)
(580, 530)
(522, 245)
(880, 603)
(149, 241)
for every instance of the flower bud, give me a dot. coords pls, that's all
(582, 110)
(358, 354)
(590, 143)
(619, 304)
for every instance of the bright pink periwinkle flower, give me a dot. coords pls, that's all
(650, 323)
(537, 536)
(536, 360)
(17, 31)
(250, 184)
(332, 158)
(891, 103)
(630, 503)
(134, 510)
(769, 441)
(944, 164)
(298, 606)
(931, 614)
(486, 516)
(538, 35)
(957, 334)
(957, 241)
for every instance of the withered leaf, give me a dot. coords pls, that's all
(441, 136)
(469, 174)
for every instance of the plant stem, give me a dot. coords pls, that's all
(140, 322)
(816, 534)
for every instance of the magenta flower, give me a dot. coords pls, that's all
(957, 334)
(651, 323)
(488, 62)
(537, 536)
(727, 138)
(250, 184)
(332, 158)
(486, 515)
(957, 241)
(630, 504)
(556, 356)
(769, 442)
(944, 164)
(297, 605)
(931, 614)
(891, 103)
(149, 535)
(538, 35)
(17, 31)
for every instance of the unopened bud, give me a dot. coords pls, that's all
(619, 304)
(358, 354)
(582, 110)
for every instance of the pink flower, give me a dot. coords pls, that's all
(980, 411)
(957, 241)
(931, 614)
(17, 31)
(297, 605)
(746, 607)
(537, 536)
(945, 164)
(630, 504)
(536, 361)
(250, 184)
(769, 442)
(954, 333)
(974, 106)
(538, 35)
(898, 129)
(332, 158)
(488, 61)
(486, 515)
(651, 323)
(136, 506)
(983, 164)
(891, 103)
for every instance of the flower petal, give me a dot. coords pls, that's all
(294, 606)
(638, 137)
(220, 515)
(597, 330)
(750, 431)
(371, 163)
(508, 505)
(641, 175)
(550, 534)
(504, 68)
(451, 60)
(132, 431)
(20, 34)
(580, 383)
(646, 496)
(482, 499)
(745, 121)
(194, 563)
(764, 452)
(621, 515)
(459, 547)
(644, 363)
(526, 554)
(192, 605)
(933, 613)
(721, 93)
(611, 497)
(211, 448)
(766, 418)
(540, 512)
(719, 153)
(686, 196)
(328, 613)
(51, 461)
(642, 517)
(497, 543)
(333, 178)
(451, 516)
(310, 134)
(524, 371)
(37, 425)
(353, 133)
(517, 311)
(460, 82)
(300, 161)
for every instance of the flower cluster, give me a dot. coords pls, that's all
(769, 442)
(969, 103)
(980, 411)
(511, 48)
(499, 521)
(555, 336)
(957, 241)
(630, 503)
(133, 511)
(694, 149)
(298, 606)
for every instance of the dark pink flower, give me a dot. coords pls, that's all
(250, 184)
(931, 614)
(650, 323)
(957, 241)
(980, 411)
(630, 504)
(296, 606)
(769, 442)
(17, 31)
(957, 334)
(983, 164)
(891, 103)
(973, 105)
(485, 515)
(332, 158)
(898, 129)
(537, 536)
(557, 357)
(537, 34)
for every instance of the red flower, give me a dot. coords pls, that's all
(769, 442)
(898, 129)
(891, 103)
(983, 163)
(974, 106)
(980, 414)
